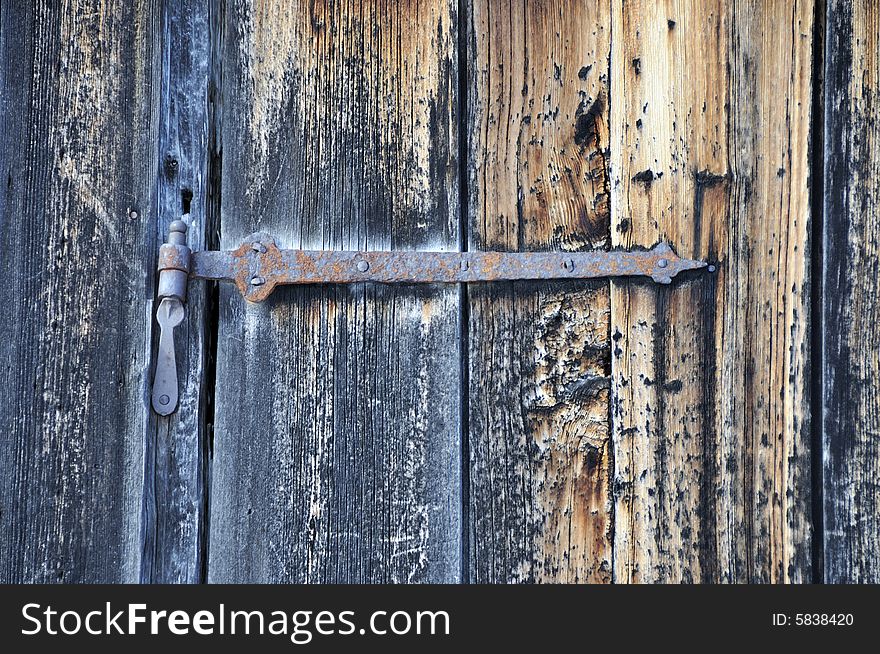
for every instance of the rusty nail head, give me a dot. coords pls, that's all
(257, 281)
(662, 263)
(363, 266)
(568, 264)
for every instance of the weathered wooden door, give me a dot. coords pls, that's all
(720, 429)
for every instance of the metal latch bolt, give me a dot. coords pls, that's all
(257, 266)
(174, 265)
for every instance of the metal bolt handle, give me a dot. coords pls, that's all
(169, 315)
(174, 262)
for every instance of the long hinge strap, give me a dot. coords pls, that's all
(257, 266)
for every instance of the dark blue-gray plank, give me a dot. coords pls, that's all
(336, 455)
(850, 336)
(77, 126)
(175, 528)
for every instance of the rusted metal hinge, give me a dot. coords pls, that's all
(257, 266)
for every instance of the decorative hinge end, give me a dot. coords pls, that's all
(666, 264)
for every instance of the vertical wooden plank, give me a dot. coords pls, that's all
(337, 446)
(539, 355)
(174, 492)
(851, 313)
(710, 406)
(77, 128)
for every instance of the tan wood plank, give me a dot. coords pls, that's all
(539, 355)
(709, 151)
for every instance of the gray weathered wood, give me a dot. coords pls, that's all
(174, 492)
(850, 313)
(337, 443)
(78, 123)
(539, 355)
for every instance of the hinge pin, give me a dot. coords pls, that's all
(174, 263)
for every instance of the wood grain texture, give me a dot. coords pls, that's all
(710, 377)
(539, 356)
(337, 443)
(175, 486)
(850, 309)
(77, 128)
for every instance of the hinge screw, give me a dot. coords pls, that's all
(568, 264)
(257, 281)
(662, 263)
(258, 247)
(164, 400)
(363, 266)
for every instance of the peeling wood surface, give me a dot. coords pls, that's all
(78, 122)
(850, 310)
(539, 357)
(710, 377)
(176, 447)
(336, 454)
